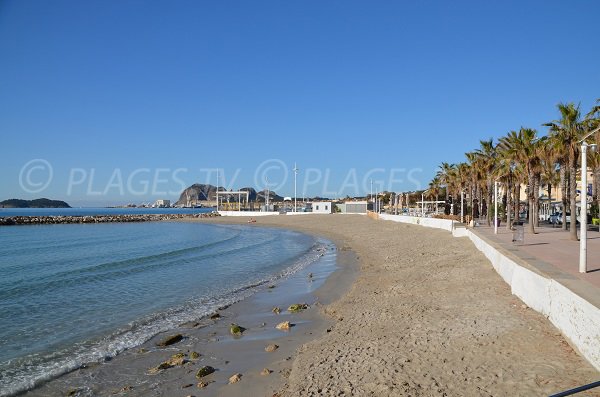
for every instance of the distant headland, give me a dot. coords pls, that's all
(37, 203)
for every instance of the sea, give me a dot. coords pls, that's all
(76, 294)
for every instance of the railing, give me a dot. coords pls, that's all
(577, 390)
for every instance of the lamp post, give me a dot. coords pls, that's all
(496, 207)
(217, 192)
(295, 174)
(583, 212)
(268, 194)
(422, 204)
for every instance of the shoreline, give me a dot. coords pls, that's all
(125, 373)
(426, 314)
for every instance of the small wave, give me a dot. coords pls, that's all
(26, 373)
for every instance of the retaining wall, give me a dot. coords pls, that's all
(574, 316)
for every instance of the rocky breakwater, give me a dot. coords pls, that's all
(64, 219)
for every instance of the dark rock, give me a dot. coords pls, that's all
(297, 307)
(204, 371)
(171, 340)
(236, 330)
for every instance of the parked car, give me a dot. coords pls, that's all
(555, 218)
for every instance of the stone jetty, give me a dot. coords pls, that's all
(67, 219)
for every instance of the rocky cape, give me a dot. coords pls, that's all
(198, 193)
(37, 203)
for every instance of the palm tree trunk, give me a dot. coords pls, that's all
(508, 204)
(573, 195)
(536, 200)
(531, 201)
(563, 190)
(488, 214)
(595, 181)
(517, 206)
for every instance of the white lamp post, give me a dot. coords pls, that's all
(423, 204)
(217, 193)
(295, 174)
(583, 212)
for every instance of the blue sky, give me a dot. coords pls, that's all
(129, 101)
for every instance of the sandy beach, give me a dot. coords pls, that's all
(427, 316)
(411, 311)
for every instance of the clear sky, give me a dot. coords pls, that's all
(130, 101)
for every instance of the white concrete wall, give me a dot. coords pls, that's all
(575, 317)
(444, 224)
(247, 213)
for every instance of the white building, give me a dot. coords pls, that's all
(162, 204)
(322, 207)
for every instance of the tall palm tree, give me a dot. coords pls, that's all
(566, 133)
(443, 174)
(434, 189)
(529, 146)
(549, 170)
(487, 154)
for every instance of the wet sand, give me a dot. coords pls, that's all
(426, 316)
(318, 284)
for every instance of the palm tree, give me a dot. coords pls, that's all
(434, 189)
(487, 155)
(566, 133)
(523, 146)
(549, 167)
(444, 175)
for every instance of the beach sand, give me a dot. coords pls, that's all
(427, 316)
(412, 311)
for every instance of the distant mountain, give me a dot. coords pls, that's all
(37, 203)
(200, 192)
(251, 193)
(260, 196)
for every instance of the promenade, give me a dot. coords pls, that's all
(551, 252)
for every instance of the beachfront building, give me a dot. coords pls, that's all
(162, 203)
(353, 207)
(322, 207)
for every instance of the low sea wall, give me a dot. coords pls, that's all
(69, 219)
(247, 213)
(573, 315)
(444, 224)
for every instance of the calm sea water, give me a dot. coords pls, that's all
(73, 294)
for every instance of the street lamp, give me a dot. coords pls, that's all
(583, 212)
(422, 204)
(295, 174)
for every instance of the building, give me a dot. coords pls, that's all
(162, 204)
(322, 207)
(353, 207)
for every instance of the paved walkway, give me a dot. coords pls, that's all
(552, 252)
